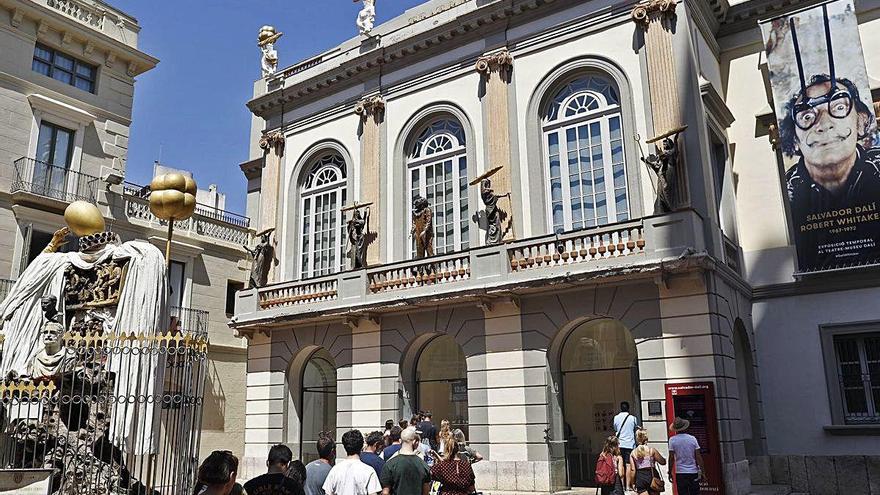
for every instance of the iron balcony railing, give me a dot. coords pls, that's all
(192, 321)
(50, 181)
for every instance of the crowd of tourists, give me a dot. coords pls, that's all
(412, 457)
(627, 462)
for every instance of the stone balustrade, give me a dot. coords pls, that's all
(479, 272)
(576, 247)
(227, 228)
(418, 273)
(323, 289)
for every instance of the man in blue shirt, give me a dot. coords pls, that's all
(372, 445)
(392, 449)
(625, 426)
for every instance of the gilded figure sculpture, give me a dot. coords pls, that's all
(665, 163)
(357, 238)
(422, 230)
(263, 257)
(492, 213)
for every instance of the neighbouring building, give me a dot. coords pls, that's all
(595, 296)
(67, 77)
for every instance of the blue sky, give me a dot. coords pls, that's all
(192, 105)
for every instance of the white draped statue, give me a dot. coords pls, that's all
(142, 308)
(367, 16)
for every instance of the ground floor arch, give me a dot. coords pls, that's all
(750, 422)
(597, 369)
(312, 400)
(434, 376)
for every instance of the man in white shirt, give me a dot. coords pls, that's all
(625, 426)
(685, 460)
(351, 476)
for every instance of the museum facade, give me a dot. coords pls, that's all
(633, 140)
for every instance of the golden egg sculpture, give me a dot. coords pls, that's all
(173, 196)
(84, 218)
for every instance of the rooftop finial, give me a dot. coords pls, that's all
(367, 16)
(266, 41)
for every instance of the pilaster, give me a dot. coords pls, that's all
(272, 145)
(657, 20)
(372, 113)
(496, 70)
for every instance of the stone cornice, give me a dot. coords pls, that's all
(388, 49)
(136, 61)
(746, 15)
(252, 169)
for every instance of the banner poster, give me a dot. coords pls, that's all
(827, 135)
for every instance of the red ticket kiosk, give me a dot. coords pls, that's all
(695, 402)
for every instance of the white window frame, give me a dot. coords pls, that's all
(421, 162)
(560, 126)
(311, 194)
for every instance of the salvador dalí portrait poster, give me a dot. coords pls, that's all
(827, 135)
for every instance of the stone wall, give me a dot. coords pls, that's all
(819, 475)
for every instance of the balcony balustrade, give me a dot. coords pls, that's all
(44, 180)
(617, 248)
(206, 221)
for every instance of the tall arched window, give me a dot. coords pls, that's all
(584, 157)
(437, 171)
(323, 195)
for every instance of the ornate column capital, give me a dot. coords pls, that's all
(272, 141)
(649, 10)
(371, 106)
(500, 62)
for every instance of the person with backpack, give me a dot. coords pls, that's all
(609, 468)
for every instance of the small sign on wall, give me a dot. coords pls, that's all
(458, 391)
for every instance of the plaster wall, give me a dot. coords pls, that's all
(788, 331)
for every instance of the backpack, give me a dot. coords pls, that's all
(605, 470)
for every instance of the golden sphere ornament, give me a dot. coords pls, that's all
(173, 196)
(84, 218)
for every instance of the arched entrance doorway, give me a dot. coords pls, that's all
(318, 400)
(599, 368)
(748, 391)
(441, 382)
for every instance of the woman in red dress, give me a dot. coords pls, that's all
(456, 476)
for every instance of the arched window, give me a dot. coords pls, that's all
(584, 155)
(437, 171)
(323, 196)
